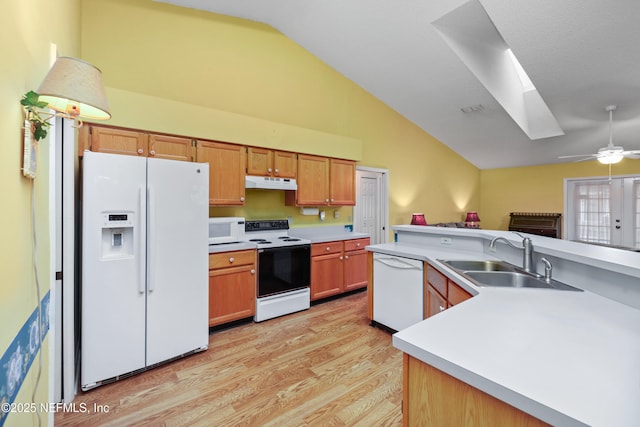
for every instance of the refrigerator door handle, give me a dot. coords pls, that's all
(151, 230)
(140, 243)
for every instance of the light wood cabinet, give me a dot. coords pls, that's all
(227, 164)
(313, 182)
(323, 182)
(338, 267)
(342, 178)
(431, 397)
(326, 269)
(135, 143)
(265, 162)
(355, 264)
(440, 292)
(232, 286)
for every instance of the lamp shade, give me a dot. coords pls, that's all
(472, 219)
(75, 87)
(418, 219)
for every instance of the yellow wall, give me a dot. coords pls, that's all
(234, 80)
(27, 28)
(536, 188)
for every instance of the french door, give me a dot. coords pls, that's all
(604, 211)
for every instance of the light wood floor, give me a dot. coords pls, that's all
(322, 367)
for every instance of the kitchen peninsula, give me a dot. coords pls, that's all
(552, 356)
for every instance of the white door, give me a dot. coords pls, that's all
(370, 212)
(604, 211)
(113, 266)
(177, 255)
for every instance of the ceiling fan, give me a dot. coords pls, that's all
(611, 153)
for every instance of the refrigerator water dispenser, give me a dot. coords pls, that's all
(117, 235)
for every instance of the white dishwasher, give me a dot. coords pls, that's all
(397, 291)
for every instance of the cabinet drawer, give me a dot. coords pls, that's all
(326, 248)
(437, 280)
(457, 294)
(228, 259)
(355, 244)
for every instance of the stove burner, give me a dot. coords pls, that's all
(290, 239)
(264, 242)
(258, 240)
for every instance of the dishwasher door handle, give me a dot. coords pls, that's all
(396, 263)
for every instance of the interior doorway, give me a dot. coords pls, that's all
(371, 212)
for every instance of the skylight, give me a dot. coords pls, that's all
(527, 84)
(470, 33)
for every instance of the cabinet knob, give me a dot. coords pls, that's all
(340, 258)
(269, 170)
(242, 199)
(152, 152)
(441, 308)
(232, 259)
(326, 200)
(328, 248)
(253, 271)
(140, 151)
(346, 257)
(332, 199)
(277, 171)
(357, 245)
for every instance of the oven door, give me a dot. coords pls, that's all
(283, 269)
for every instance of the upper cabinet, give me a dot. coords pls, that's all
(265, 162)
(135, 143)
(313, 182)
(227, 163)
(343, 182)
(323, 181)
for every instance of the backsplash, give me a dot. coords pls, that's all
(269, 204)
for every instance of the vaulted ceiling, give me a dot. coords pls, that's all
(581, 55)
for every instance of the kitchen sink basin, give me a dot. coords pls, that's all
(479, 265)
(514, 279)
(503, 274)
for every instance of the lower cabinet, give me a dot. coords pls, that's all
(232, 286)
(440, 292)
(337, 267)
(431, 397)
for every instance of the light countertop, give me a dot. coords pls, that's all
(325, 234)
(568, 358)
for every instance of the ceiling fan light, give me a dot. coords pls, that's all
(610, 157)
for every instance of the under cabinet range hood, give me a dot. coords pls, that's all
(270, 183)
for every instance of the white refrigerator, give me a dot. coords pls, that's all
(144, 263)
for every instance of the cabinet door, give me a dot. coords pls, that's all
(327, 274)
(343, 182)
(313, 181)
(284, 164)
(232, 294)
(355, 270)
(170, 148)
(259, 161)
(435, 302)
(456, 294)
(118, 141)
(227, 163)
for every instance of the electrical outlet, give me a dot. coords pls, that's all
(445, 240)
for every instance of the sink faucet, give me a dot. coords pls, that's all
(547, 269)
(527, 247)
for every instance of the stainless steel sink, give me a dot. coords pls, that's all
(503, 274)
(480, 265)
(513, 279)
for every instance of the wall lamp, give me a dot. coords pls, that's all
(74, 89)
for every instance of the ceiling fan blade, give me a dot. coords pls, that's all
(578, 155)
